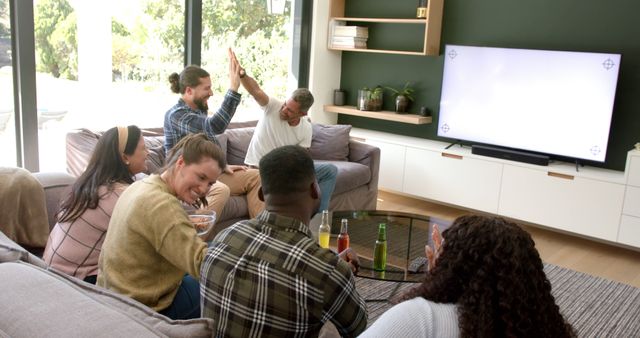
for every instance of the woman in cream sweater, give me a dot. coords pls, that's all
(152, 252)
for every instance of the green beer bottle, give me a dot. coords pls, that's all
(380, 250)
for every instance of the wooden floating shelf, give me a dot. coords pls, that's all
(381, 20)
(430, 41)
(380, 51)
(380, 115)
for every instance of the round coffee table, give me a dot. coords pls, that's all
(407, 235)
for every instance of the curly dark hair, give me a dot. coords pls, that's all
(490, 269)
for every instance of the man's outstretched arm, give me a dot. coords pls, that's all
(251, 85)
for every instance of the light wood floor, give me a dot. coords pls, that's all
(579, 254)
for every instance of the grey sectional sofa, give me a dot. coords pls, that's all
(358, 163)
(41, 302)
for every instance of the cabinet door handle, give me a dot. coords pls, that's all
(558, 175)
(457, 157)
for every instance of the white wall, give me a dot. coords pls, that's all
(325, 66)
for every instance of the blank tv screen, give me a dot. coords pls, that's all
(552, 102)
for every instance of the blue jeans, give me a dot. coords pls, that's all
(186, 304)
(326, 174)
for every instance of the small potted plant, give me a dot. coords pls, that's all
(404, 97)
(370, 99)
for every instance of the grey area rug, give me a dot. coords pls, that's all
(596, 307)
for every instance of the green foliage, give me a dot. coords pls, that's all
(258, 38)
(406, 91)
(242, 17)
(119, 29)
(151, 46)
(124, 51)
(373, 93)
(55, 37)
(4, 19)
(166, 23)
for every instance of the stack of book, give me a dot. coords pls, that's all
(350, 37)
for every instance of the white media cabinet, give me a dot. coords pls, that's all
(598, 203)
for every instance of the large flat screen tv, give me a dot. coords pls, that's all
(550, 102)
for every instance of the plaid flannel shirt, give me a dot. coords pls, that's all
(267, 277)
(182, 120)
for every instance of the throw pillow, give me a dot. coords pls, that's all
(330, 142)
(238, 140)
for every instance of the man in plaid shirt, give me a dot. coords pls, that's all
(267, 277)
(190, 115)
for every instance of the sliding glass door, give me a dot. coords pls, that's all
(101, 64)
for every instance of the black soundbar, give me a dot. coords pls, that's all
(512, 155)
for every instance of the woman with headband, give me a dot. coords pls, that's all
(75, 241)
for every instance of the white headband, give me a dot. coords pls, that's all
(123, 136)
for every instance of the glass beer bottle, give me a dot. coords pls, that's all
(343, 237)
(324, 231)
(380, 250)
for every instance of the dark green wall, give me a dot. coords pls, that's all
(572, 25)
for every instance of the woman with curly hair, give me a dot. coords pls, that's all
(488, 282)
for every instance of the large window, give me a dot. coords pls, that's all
(101, 64)
(260, 35)
(7, 124)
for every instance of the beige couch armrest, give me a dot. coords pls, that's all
(367, 155)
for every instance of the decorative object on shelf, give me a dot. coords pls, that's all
(637, 146)
(422, 9)
(424, 111)
(403, 97)
(350, 37)
(339, 97)
(370, 99)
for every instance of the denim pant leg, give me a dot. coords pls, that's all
(326, 174)
(186, 304)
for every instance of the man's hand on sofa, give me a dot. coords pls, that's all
(231, 168)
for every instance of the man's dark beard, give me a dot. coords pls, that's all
(202, 105)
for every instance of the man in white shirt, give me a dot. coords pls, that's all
(285, 123)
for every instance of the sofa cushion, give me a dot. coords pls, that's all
(57, 186)
(350, 175)
(330, 142)
(10, 251)
(61, 306)
(81, 142)
(155, 159)
(238, 140)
